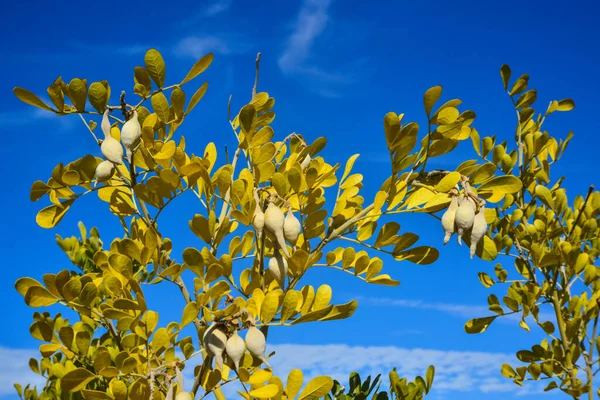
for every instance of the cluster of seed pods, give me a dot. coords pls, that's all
(464, 217)
(218, 345)
(279, 229)
(112, 150)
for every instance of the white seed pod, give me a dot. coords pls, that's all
(258, 220)
(111, 148)
(235, 348)
(465, 214)
(256, 344)
(291, 228)
(104, 171)
(448, 219)
(215, 341)
(306, 162)
(479, 230)
(278, 267)
(130, 135)
(274, 225)
(184, 396)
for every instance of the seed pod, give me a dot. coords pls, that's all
(104, 171)
(215, 341)
(448, 219)
(235, 348)
(274, 225)
(479, 229)
(306, 162)
(184, 396)
(130, 135)
(465, 214)
(291, 228)
(256, 344)
(278, 267)
(111, 148)
(258, 220)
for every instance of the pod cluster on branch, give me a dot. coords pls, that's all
(465, 216)
(218, 345)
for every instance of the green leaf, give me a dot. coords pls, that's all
(478, 325)
(318, 387)
(155, 65)
(38, 296)
(78, 93)
(29, 98)
(505, 74)
(197, 97)
(76, 380)
(199, 67)
(98, 96)
(160, 104)
(431, 97)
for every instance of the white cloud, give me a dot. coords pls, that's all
(459, 310)
(217, 7)
(198, 46)
(14, 368)
(456, 371)
(310, 24)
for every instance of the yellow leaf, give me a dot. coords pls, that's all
(23, 284)
(76, 380)
(166, 151)
(422, 255)
(199, 67)
(503, 184)
(260, 376)
(269, 307)
(384, 279)
(38, 296)
(290, 302)
(322, 297)
(294, 383)
(448, 182)
(544, 194)
(432, 95)
(160, 104)
(29, 98)
(421, 196)
(197, 97)
(190, 312)
(265, 392)
(50, 216)
(262, 136)
(155, 65)
(447, 116)
(318, 387)
(349, 165)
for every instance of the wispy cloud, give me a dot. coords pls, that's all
(311, 22)
(197, 46)
(218, 7)
(297, 57)
(459, 310)
(15, 369)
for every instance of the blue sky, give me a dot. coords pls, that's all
(335, 68)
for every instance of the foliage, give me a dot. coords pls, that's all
(118, 350)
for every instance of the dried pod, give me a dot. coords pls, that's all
(306, 162)
(479, 229)
(278, 267)
(130, 135)
(256, 344)
(448, 218)
(184, 396)
(215, 341)
(235, 348)
(104, 171)
(274, 225)
(111, 148)
(465, 214)
(258, 220)
(291, 228)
